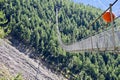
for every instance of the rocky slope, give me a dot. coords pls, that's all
(18, 62)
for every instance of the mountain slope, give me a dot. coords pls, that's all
(33, 22)
(18, 62)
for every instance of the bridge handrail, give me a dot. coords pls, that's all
(91, 25)
(93, 34)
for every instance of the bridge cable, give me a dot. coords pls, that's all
(89, 25)
(102, 14)
(113, 34)
(97, 20)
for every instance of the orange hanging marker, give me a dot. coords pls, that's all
(108, 17)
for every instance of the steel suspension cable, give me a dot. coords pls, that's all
(102, 14)
(97, 20)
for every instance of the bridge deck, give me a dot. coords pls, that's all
(102, 41)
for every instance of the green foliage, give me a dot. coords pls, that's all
(2, 33)
(5, 74)
(2, 1)
(34, 23)
(18, 77)
(3, 19)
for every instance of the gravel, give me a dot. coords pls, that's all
(18, 62)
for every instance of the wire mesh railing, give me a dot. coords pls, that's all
(102, 41)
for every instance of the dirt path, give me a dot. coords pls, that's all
(18, 62)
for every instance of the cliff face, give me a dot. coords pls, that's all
(17, 62)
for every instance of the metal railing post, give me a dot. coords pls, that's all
(112, 20)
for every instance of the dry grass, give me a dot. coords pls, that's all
(4, 73)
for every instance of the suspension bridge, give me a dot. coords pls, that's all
(108, 40)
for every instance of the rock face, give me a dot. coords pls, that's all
(18, 62)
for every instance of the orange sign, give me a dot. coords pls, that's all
(108, 17)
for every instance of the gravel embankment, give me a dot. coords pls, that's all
(18, 62)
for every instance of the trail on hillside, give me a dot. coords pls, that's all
(18, 62)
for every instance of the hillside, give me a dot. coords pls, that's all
(33, 23)
(17, 62)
